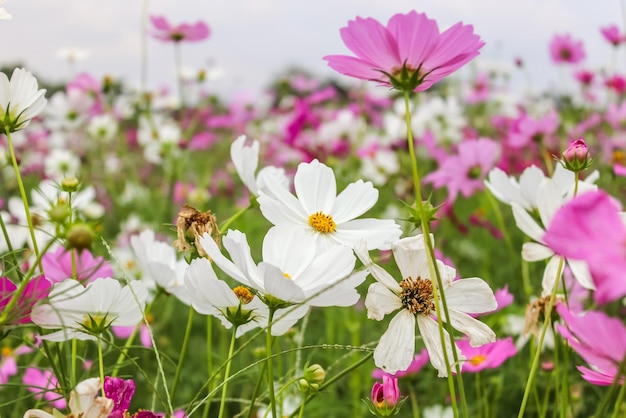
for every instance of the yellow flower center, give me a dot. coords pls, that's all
(322, 223)
(287, 275)
(243, 294)
(6, 352)
(478, 359)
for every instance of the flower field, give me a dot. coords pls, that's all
(419, 244)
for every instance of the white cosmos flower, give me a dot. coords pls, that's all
(413, 297)
(83, 312)
(158, 263)
(327, 218)
(291, 273)
(20, 100)
(246, 160)
(84, 402)
(539, 195)
(211, 296)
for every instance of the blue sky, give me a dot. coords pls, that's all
(253, 40)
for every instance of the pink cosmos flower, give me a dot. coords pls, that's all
(121, 392)
(617, 83)
(612, 35)
(466, 171)
(528, 130)
(44, 385)
(386, 397)
(8, 363)
(589, 228)
(58, 266)
(599, 339)
(487, 356)
(166, 32)
(584, 77)
(565, 50)
(36, 289)
(408, 54)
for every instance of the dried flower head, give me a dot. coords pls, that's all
(191, 225)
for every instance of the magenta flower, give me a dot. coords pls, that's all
(565, 50)
(612, 35)
(466, 171)
(599, 339)
(121, 392)
(408, 54)
(487, 356)
(529, 130)
(58, 266)
(44, 386)
(36, 289)
(589, 228)
(166, 32)
(386, 398)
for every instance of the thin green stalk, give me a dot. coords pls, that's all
(438, 292)
(256, 391)
(16, 264)
(229, 362)
(179, 78)
(500, 221)
(130, 339)
(535, 364)
(183, 351)
(101, 363)
(619, 403)
(20, 185)
(233, 218)
(270, 374)
(415, 410)
(209, 355)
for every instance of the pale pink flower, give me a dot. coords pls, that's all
(466, 171)
(565, 50)
(599, 339)
(590, 228)
(612, 35)
(409, 53)
(58, 266)
(167, 32)
(44, 385)
(36, 289)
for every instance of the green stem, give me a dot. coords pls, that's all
(231, 350)
(16, 264)
(619, 403)
(130, 340)
(414, 406)
(183, 352)
(233, 218)
(438, 291)
(101, 363)
(270, 373)
(616, 382)
(500, 221)
(20, 185)
(209, 355)
(535, 364)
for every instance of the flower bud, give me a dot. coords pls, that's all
(315, 374)
(69, 184)
(79, 237)
(576, 157)
(59, 212)
(386, 398)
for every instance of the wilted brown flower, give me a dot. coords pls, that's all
(191, 225)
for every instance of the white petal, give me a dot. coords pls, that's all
(503, 187)
(378, 233)
(286, 318)
(315, 187)
(531, 251)
(288, 248)
(529, 183)
(227, 266)
(379, 273)
(277, 285)
(549, 275)
(246, 159)
(429, 330)
(327, 268)
(207, 292)
(342, 293)
(354, 201)
(381, 301)
(396, 347)
(549, 200)
(411, 258)
(472, 295)
(279, 206)
(527, 224)
(478, 332)
(581, 273)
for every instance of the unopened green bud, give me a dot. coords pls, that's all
(307, 387)
(315, 374)
(80, 237)
(59, 212)
(70, 184)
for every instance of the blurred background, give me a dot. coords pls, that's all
(254, 41)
